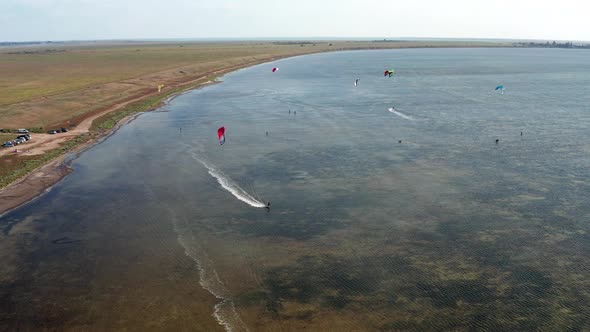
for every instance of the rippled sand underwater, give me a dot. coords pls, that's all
(445, 230)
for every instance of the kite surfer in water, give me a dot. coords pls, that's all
(267, 207)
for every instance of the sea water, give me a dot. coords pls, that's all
(422, 201)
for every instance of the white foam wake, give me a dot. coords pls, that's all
(228, 184)
(398, 113)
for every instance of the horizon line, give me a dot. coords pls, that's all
(313, 38)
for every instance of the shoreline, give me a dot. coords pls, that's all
(40, 180)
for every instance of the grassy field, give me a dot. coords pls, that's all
(7, 136)
(24, 76)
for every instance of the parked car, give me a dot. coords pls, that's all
(64, 130)
(20, 140)
(8, 144)
(23, 131)
(25, 137)
(52, 132)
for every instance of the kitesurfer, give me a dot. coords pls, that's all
(267, 207)
(497, 140)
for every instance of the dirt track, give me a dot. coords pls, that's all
(40, 143)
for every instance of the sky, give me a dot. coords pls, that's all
(40, 20)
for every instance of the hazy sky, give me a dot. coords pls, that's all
(24, 20)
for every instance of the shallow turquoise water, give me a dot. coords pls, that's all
(445, 230)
